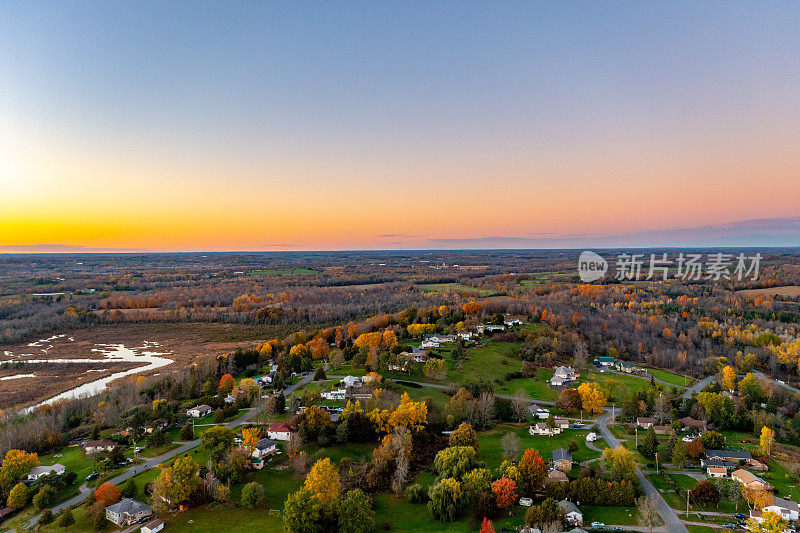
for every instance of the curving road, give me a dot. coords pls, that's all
(671, 520)
(697, 387)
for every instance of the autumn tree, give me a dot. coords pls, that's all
(435, 369)
(770, 523)
(569, 401)
(474, 483)
(455, 461)
(464, 435)
(619, 462)
(323, 482)
(704, 493)
(505, 492)
(729, 378)
(18, 496)
(593, 399)
(767, 438)
(218, 440)
(108, 493)
(250, 438)
(695, 449)
(226, 384)
(533, 469)
(486, 526)
(176, 482)
(16, 464)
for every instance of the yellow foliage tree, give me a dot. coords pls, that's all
(593, 399)
(767, 437)
(770, 523)
(323, 481)
(729, 378)
(250, 438)
(411, 414)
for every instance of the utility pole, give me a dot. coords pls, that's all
(613, 414)
(656, 463)
(687, 504)
(636, 429)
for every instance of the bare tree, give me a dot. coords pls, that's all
(647, 514)
(511, 446)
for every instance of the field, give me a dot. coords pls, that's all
(454, 287)
(669, 377)
(791, 291)
(284, 272)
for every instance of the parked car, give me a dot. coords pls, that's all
(93, 475)
(525, 502)
(740, 516)
(598, 525)
(591, 437)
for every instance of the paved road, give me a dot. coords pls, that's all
(671, 521)
(697, 387)
(761, 375)
(156, 461)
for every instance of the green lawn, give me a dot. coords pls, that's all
(669, 377)
(537, 389)
(609, 515)
(73, 458)
(490, 361)
(209, 419)
(491, 451)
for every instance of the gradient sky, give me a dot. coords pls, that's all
(330, 125)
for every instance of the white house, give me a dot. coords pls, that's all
(567, 373)
(265, 447)
(512, 322)
(96, 446)
(539, 412)
(127, 511)
(645, 422)
(490, 328)
(717, 471)
(279, 431)
(230, 398)
(787, 509)
(540, 428)
(153, 527)
(200, 411)
(351, 381)
(39, 471)
(429, 344)
(334, 394)
(572, 515)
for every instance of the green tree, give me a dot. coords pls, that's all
(713, 440)
(187, 433)
(355, 513)
(445, 499)
(177, 482)
(542, 516)
(129, 489)
(45, 497)
(218, 440)
(679, 454)
(18, 497)
(649, 446)
(302, 512)
(252, 495)
(475, 483)
(455, 461)
(65, 519)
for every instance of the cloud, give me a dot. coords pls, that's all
(63, 249)
(397, 236)
(764, 232)
(281, 245)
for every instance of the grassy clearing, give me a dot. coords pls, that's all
(431, 288)
(625, 516)
(284, 272)
(490, 361)
(669, 377)
(538, 389)
(491, 451)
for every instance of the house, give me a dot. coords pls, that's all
(663, 430)
(512, 322)
(420, 357)
(541, 428)
(572, 515)
(628, 367)
(350, 381)
(645, 422)
(230, 398)
(97, 446)
(716, 471)
(562, 459)
(200, 411)
(127, 511)
(464, 335)
(153, 527)
(265, 447)
(538, 412)
(153, 426)
(566, 373)
(490, 328)
(692, 423)
(556, 381)
(734, 456)
(787, 509)
(39, 471)
(257, 463)
(556, 476)
(428, 344)
(334, 394)
(279, 431)
(751, 481)
(561, 423)
(705, 463)
(755, 464)
(606, 360)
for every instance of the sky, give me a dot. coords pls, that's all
(386, 125)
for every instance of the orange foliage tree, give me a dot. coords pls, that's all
(505, 492)
(108, 494)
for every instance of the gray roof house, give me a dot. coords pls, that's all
(128, 511)
(729, 455)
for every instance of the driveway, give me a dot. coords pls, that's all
(697, 387)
